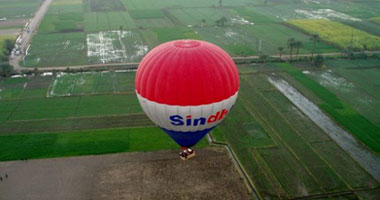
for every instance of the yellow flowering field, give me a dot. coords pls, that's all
(338, 34)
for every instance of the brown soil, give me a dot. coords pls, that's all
(151, 175)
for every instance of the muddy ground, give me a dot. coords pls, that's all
(151, 175)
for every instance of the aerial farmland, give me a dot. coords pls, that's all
(305, 125)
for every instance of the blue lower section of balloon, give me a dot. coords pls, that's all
(187, 139)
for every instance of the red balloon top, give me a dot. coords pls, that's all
(187, 73)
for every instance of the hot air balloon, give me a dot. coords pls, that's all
(187, 87)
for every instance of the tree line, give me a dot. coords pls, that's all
(5, 68)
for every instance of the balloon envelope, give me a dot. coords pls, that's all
(187, 87)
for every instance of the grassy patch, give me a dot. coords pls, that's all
(15, 147)
(146, 14)
(106, 5)
(65, 22)
(12, 88)
(92, 83)
(363, 73)
(104, 21)
(376, 20)
(339, 34)
(194, 16)
(18, 9)
(367, 105)
(57, 50)
(175, 33)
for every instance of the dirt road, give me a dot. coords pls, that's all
(28, 34)
(150, 175)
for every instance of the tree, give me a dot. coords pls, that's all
(350, 52)
(220, 3)
(291, 44)
(36, 72)
(6, 70)
(362, 55)
(3, 58)
(8, 47)
(221, 21)
(217, 22)
(280, 49)
(297, 45)
(319, 60)
(315, 38)
(203, 22)
(263, 58)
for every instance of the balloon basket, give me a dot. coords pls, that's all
(188, 156)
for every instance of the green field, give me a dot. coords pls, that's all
(363, 129)
(77, 33)
(283, 152)
(366, 104)
(61, 48)
(149, 23)
(267, 132)
(28, 98)
(74, 114)
(364, 74)
(97, 113)
(97, 24)
(92, 83)
(13, 9)
(91, 142)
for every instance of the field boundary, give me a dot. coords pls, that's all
(240, 168)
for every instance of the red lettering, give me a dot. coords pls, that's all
(213, 118)
(224, 112)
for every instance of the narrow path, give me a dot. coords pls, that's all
(367, 159)
(238, 166)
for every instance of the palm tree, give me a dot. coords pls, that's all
(315, 38)
(280, 49)
(203, 22)
(290, 44)
(217, 22)
(223, 20)
(297, 45)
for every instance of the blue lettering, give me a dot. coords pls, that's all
(176, 120)
(202, 121)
